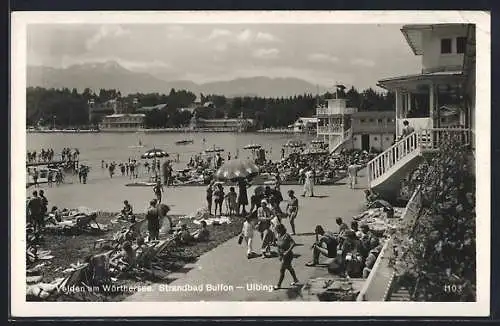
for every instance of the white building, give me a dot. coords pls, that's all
(305, 125)
(418, 97)
(438, 102)
(122, 122)
(334, 122)
(372, 130)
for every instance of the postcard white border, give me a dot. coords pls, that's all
(21, 308)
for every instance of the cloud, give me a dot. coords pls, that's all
(177, 32)
(245, 36)
(362, 62)
(106, 31)
(266, 37)
(266, 53)
(221, 47)
(322, 57)
(218, 33)
(249, 36)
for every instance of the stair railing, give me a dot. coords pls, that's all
(387, 159)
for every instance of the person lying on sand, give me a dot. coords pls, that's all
(202, 233)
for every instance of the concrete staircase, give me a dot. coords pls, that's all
(388, 169)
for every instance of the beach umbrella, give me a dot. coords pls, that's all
(252, 146)
(237, 169)
(155, 152)
(294, 144)
(214, 150)
(315, 152)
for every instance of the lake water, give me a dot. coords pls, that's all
(95, 147)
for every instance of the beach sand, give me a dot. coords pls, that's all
(227, 263)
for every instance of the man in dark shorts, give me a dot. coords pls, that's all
(132, 170)
(35, 211)
(35, 177)
(45, 205)
(153, 220)
(158, 189)
(326, 245)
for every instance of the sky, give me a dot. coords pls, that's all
(323, 54)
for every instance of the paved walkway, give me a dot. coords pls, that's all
(228, 272)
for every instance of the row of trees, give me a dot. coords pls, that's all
(65, 107)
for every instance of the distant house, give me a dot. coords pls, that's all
(209, 104)
(235, 125)
(146, 109)
(305, 125)
(122, 122)
(187, 109)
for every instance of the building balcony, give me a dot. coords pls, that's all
(328, 111)
(330, 130)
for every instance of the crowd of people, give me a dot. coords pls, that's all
(45, 155)
(48, 155)
(324, 168)
(129, 168)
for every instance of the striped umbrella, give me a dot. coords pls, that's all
(237, 169)
(252, 146)
(155, 152)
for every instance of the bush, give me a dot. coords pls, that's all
(439, 256)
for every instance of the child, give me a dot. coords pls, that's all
(218, 198)
(231, 201)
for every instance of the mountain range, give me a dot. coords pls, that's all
(111, 75)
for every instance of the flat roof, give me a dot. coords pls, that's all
(374, 114)
(119, 115)
(413, 34)
(385, 83)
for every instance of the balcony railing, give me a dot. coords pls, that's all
(330, 130)
(335, 111)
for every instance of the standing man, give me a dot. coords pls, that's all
(352, 170)
(45, 204)
(158, 189)
(35, 211)
(153, 220)
(132, 170)
(309, 183)
(35, 177)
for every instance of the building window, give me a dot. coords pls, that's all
(389, 120)
(387, 139)
(371, 120)
(374, 138)
(361, 120)
(461, 44)
(379, 120)
(446, 45)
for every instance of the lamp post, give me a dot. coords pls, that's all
(54, 122)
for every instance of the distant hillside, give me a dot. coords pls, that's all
(111, 75)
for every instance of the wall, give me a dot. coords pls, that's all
(382, 141)
(387, 141)
(375, 141)
(369, 125)
(356, 141)
(432, 58)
